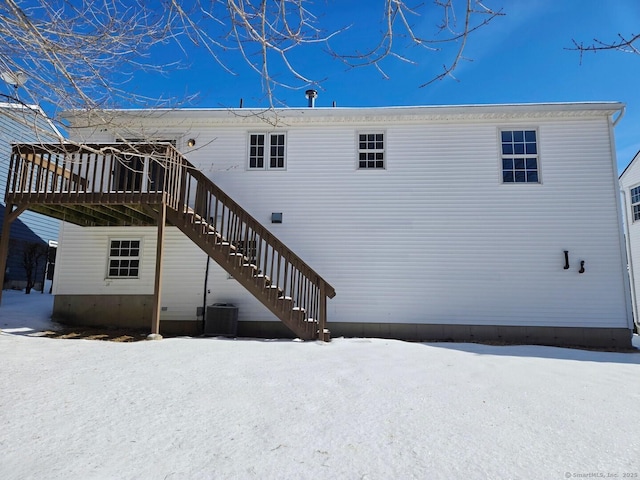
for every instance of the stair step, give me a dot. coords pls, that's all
(273, 291)
(262, 279)
(229, 246)
(237, 258)
(285, 303)
(238, 255)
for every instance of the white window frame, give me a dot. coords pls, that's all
(634, 197)
(267, 155)
(521, 161)
(371, 151)
(124, 258)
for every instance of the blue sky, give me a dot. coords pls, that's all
(518, 58)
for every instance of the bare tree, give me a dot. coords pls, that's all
(33, 256)
(82, 54)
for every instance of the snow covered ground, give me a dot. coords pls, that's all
(207, 408)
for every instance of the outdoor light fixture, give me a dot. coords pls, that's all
(276, 217)
(191, 142)
(17, 79)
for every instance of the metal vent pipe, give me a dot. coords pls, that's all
(311, 96)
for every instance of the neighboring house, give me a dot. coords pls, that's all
(31, 233)
(481, 222)
(630, 187)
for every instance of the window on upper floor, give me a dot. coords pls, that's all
(371, 150)
(124, 258)
(519, 155)
(635, 203)
(267, 151)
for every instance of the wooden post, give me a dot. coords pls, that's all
(322, 321)
(157, 289)
(9, 216)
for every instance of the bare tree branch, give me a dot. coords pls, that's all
(397, 15)
(625, 44)
(83, 54)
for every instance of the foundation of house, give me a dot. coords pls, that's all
(134, 311)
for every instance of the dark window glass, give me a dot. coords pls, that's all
(517, 167)
(371, 150)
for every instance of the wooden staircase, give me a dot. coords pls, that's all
(128, 184)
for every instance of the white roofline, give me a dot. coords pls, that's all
(32, 108)
(464, 108)
(281, 117)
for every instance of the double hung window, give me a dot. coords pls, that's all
(519, 155)
(124, 259)
(267, 151)
(371, 151)
(635, 203)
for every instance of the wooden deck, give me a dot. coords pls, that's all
(152, 184)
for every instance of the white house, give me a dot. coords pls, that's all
(475, 222)
(630, 187)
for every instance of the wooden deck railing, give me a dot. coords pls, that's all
(122, 174)
(94, 173)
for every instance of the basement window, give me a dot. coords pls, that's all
(519, 156)
(124, 259)
(371, 151)
(267, 151)
(635, 203)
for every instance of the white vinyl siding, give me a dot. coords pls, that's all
(629, 182)
(414, 245)
(80, 267)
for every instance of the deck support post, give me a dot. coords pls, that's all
(157, 288)
(9, 216)
(322, 321)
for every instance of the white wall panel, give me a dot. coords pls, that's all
(435, 237)
(82, 261)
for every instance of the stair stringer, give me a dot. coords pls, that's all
(221, 252)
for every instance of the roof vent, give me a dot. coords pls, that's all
(311, 96)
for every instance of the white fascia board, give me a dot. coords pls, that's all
(284, 116)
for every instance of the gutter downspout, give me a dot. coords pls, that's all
(632, 281)
(630, 304)
(623, 110)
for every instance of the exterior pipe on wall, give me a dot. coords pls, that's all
(623, 229)
(619, 117)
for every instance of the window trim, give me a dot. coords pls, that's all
(635, 213)
(383, 150)
(267, 157)
(523, 156)
(130, 257)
